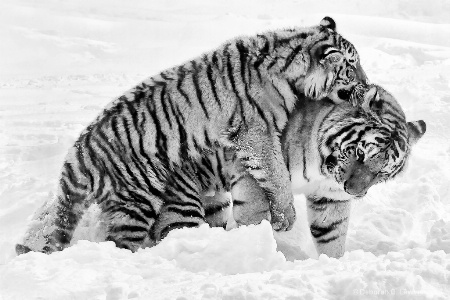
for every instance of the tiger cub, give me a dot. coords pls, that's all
(334, 154)
(139, 159)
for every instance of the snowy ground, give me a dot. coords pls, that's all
(61, 62)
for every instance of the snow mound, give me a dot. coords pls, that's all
(209, 263)
(242, 250)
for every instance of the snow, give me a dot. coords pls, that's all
(61, 62)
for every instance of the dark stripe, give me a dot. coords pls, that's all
(183, 143)
(291, 57)
(127, 133)
(128, 196)
(207, 139)
(69, 194)
(243, 63)
(232, 82)
(198, 91)
(304, 164)
(319, 231)
(274, 123)
(181, 75)
(197, 146)
(212, 210)
(98, 164)
(179, 192)
(119, 175)
(155, 170)
(336, 135)
(164, 105)
(130, 239)
(177, 225)
(325, 241)
(82, 165)
(272, 63)
(264, 51)
(126, 227)
(133, 214)
(220, 171)
(70, 173)
(161, 138)
(134, 156)
(164, 76)
(215, 61)
(322, 203)
(186, 213)
(283, 104)
(293, 88)
(206, 162)
(209, 76)
(238, 202)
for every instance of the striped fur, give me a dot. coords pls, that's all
(334, 155)
(153, 153)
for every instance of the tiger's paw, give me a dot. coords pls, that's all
(283, 221)
(22, 249)
(47, 249)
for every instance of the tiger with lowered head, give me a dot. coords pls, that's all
(334, 154)
(143, 159)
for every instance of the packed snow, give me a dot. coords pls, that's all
(61, 62)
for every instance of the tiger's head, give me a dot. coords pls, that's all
(335, 67)
(368, 148)
(318, 61)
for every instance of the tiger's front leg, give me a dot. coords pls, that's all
(328, 223)
(260, 154)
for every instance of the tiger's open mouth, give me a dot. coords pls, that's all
(345, 94)
(355, 94)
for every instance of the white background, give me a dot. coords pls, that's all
(61, 62)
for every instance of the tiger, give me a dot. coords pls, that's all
(334, 154)
(141, 158)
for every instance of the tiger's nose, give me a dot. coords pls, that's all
(358, 191)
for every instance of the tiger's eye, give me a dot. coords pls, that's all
(360, 155)
(351, 74)
(335, 57)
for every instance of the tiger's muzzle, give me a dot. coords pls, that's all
(353, 78)
(358, 179)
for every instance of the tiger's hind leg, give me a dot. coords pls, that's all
(217, 209)
(129, 216)
(54, 224)
(182, 205)
(250, 204)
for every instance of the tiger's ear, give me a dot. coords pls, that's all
(329, 23)
(416, 130)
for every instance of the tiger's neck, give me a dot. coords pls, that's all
(300, 142)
